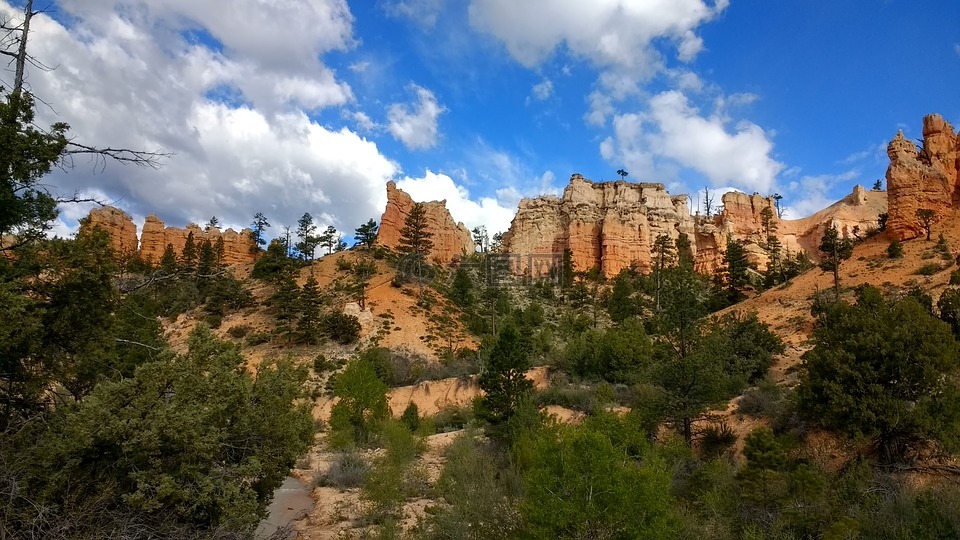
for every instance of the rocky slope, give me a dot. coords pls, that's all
(450, 238)
(613, 225)
(924, 178)
(237, 246)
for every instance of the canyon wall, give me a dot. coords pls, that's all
(613, 225)
(924, 178)
(237, 246)
(450, 239)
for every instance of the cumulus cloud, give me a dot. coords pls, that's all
(228, 91)
(416, 125)
(622, 38)
(672, 130)
(485, 211)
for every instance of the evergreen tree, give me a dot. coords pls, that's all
(834, 250)
(29, 152)
(307, 243)
(684, 250)
(926, 218)
(206, 264)
(214, 223)
(258, 228)
(461, 290)
(886, 370)
(481, 238)
(663, 257)
(622, 305)
(168, 261)
(366, 234)
(503, 379)
(363, 270)
(188, 257)
(219, 251)
(736, 269)
(310, 312)
(416, 241)
(329, 238)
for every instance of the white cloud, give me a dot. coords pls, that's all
(622, 38)
(810, 194)
(135, 74)
(362, 120)
(416, 125)
(422, 12)
(485, 211)
(607, 32)
(671, 129)
(543, 89)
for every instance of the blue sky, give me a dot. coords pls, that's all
(288, 107)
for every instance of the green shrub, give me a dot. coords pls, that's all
(239, 331)
(955, 277)
(322, 365)
(717, 439)
(763, 401)
(452, 418)
(928, 269)
(257, 338)
(411, 417)
(342, 328)
(895, 249)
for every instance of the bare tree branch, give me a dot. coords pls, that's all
(141, 158)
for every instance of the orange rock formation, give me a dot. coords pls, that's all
(237, 246)
(119, 225)
(450, 239)
(613, 225)
(922, 179)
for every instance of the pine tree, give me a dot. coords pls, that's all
(168, 261)
(258, 228)
(310, 312)
(415, 241)
(834, 250)
(663, 257)
(736, 268)
(366, 234)
(307, 243)
(188, 257)
(503, 380)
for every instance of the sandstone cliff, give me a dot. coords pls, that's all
(613, 225)
(450, 239)
(925, 178)
(237, 246)
(606, 225)
(119, 225)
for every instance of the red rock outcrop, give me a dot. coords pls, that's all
(237, 246)
(155, 237)
(605, 225)
(450, 239)
(922, 179)
(613, 225)
(119, 225)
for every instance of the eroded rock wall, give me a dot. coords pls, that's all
(237, 246)
(613, 225)
(450, 239)
(924, 178)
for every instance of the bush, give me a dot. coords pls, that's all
(763, 401)
(579, 398)
(955, 277)
(257, 338)
(411, 417)
(344, 265)
(717, 439)
(347, 471)
(895, 249)
(239, 331)
(342, 328)
(322, 365)
(452, 418)
(928, 269)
